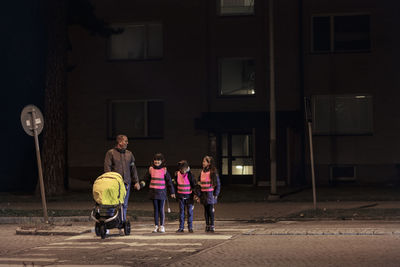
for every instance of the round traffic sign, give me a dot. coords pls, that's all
(31, 119)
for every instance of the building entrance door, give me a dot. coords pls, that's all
(237, 158)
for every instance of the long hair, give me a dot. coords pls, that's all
(212, 168)
(159, 156)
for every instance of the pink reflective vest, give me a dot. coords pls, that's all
(183, 184)
(157, 178)
(205, 182)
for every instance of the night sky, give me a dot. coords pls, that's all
(23, 69)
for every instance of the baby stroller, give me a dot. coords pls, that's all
(109, 193)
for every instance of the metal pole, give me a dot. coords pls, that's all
(39, 162)
(312, 164)
(272, 118)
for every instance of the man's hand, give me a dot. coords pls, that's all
(196, 198)
(173, 196)
(137, 186)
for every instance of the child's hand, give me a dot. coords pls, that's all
(173, 195)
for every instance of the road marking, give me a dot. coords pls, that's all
(29, 259)
(133, 244)
(164, 237)
(161, 249)
(65, 247)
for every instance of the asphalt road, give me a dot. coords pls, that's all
(319, 243)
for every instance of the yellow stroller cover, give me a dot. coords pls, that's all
(109, 189)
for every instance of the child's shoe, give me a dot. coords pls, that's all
(180, 230)
(190, 230)
(212, 229)
(207, 228)
(162, 229)
(155, 229)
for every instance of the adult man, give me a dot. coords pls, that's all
(121, 160)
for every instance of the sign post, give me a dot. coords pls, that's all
(307, 106)
(32, 122)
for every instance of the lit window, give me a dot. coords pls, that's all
(236, 7)
(136, 118)
(136, 42)
(237, 77)
(341, 33)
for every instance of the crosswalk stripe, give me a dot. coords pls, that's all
(162, 237)
(29, 259)
(132, 244)
(161, 249)
(66, 247)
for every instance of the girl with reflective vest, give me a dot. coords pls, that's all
(185, 185)
(210, 187)
(159, 179)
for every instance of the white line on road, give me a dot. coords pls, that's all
(29, 259)
(161, 237)
(133, 244)
(161, 249)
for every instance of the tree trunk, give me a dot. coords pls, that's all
(54, 150)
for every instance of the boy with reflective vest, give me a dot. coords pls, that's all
(210, 187)
(159, 181)
(185, 185)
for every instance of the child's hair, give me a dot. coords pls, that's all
(183, 164)
(213, 169)
(159, 156)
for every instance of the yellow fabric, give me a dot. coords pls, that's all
(109, 189)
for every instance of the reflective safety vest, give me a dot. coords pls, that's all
(205, 182)
(183, 184)
(157, 178)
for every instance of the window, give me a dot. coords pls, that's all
(342, 114)
(237, 152)
(237, 77)
(341, 33)
(236, 7)
(136, 42)
(136, 118)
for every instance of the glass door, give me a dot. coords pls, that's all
(237, 158)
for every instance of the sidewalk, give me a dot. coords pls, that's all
(245, 204)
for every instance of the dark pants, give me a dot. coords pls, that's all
(125, 205)
(159, 215)
(110, 211)
(209, 214)
(189, 207)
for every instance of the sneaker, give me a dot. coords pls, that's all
(162, 229)
(207, 228)
(107, 232)
(212, 229)
(190, 230)
(155, 229)
(180, 230)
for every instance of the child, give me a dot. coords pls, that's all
(209, 190)
(159, 180)
(185, 187)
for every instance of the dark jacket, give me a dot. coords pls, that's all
(192, 187)
(159, 193)
(209, 197)
(123, 162)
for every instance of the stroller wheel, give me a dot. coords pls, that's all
(127, 228)
(103, 231)
(97, 229)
